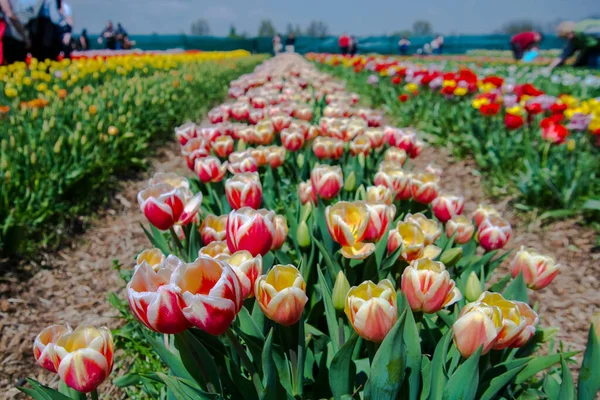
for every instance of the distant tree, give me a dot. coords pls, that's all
(266, 28)
(517, 26)
(317, 29)
(422, 28)
(200, 28)
(233, 33)
(401, 33)
(290, 29)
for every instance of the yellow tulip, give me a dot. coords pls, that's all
(281, 294)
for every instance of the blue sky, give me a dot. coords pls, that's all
(360, 17)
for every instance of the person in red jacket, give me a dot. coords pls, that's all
(524, 41)
(344, 43)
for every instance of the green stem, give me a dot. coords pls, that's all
(94, 394)
(176, 240)
(341, 331)
(239, 349)
(215, 198)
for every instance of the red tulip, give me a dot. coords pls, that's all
(555, 133)
(513, 121)
(489, 109)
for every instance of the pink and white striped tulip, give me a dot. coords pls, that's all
(372, 309)
(251, 230)
(246, 267)
(210, 169)
(538, 270)
(185, 132)
(446, 206)
(281, 294)
(461, 227)
(396, 180)
(292, 139)
(222, 146)
(213, 228)
(424, 187)
(281, 231)
(164, 206)
(380, 216)
(327, 181)
(45, 344)
(483, 212)
(494, 233)
(428, 287)
(211, 293)
(244, 190)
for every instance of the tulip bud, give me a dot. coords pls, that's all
(361, 193)
(305, 211)
(473, 289)
(300, 160)
(340, 291)
(451, 257)
(303, 234)
(595, 322)
(361, 160)
(241, 145)
(350, 182)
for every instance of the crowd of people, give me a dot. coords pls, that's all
(44, 29)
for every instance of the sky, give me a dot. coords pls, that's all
(359, 17)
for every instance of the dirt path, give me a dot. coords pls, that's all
(574, 296)
(74, 286)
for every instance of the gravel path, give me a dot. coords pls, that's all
(74, 285)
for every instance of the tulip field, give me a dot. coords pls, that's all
(310, 251)
(533, 135)
(68, 128)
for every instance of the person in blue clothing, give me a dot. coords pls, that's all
(403, 45)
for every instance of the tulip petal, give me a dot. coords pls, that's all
(83, 370)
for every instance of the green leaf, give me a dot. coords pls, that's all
(501, 284)
(157, 239)
(439, 375)
(130, 379)
(332, 267)
(197, 360)
(342, 371)
(412, 343)
(169, 358)
(389, 365)
(517, 290)
(332, 324)
(381, 248)
(183, 389)
(247, 324)
(41, 392)
(269, 371)
(592, 204)
(462, 385)
(426, 377)
(589, 375)
(567, 387)
(540, 363)
(498, 383)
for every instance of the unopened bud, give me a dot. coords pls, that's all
(571, 144)
(361, 160)
(450, 257)
(340, 291)
(473, 289)
(361, 194)
(305, 211)
(241, 145)
(596, 324)
(300, 160)
(303, 235)
(350, 182)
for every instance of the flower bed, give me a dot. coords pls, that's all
(69, 127)
(357, 278)
(527, 131)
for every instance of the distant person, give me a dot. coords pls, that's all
(277, 46)
(120, 37)
(353, 45)
(583, 37)
(65, 26)
(108, 36)
(403, 45)
(437, 45)
(523, 42)
(344, 43)
(14, 41)
(84, 41)
(290, 43)
(45, 31)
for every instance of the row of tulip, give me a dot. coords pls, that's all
(544, 146)
(57, 156)
(240, 301)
